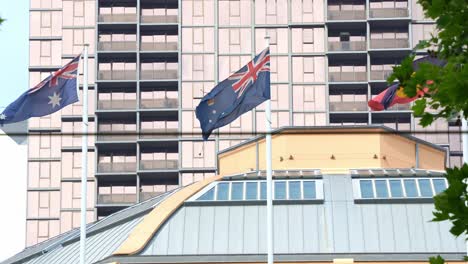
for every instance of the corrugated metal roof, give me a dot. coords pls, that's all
(98, 246)
(339, 225)
(60, 244)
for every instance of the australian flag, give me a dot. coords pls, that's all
(395, 94)
(52, 94)
(239, 93)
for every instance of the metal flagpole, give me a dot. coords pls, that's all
(84, 157)
(269, 174)
(464, 132)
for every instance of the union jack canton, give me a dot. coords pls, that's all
(249, 73)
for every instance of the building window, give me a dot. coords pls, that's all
(222, 191)
(197, 62)
(234, 8)
(234, 36)
(198, 36)
(398, 188)
(251, 190)
(198, 8)
(309, 65)
(237, 191)
(271, 7)
(273, 36)
(256, 191)
(308, 35)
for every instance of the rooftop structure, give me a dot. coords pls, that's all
(356, 210)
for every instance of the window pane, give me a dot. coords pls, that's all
(410, 188)
(366, 189)
(263, 191)
(208, 196)
(381, 188)
(237, 191)
(280, 190)
(295, 190)
(439, 185)
(223, 191)
(251, 191)
(395, 188)
(309, 190)
(425, 187)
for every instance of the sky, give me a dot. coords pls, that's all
(14, 54)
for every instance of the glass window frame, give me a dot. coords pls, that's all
(317, 183)
(416, 180)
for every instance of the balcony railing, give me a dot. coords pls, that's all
(148, 195)
(158, 133)
(116, 104)
(380, 75)
(159, 46)
(116, 135)
(400, 107)
(347, 76)
(388, 12)
(346, 14)
(158, 164)
(348, 106)
(117, 18)
(159, 19)
(389, 43)
(162, 103)
(117, 45)
(158, 74)
(117, 75)
(117, 167)
(347, 46)
(121, 198)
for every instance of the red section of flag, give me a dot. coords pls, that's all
(394, 95)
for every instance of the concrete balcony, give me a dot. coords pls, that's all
(159, 164)
(348, 106)
(121, 198)
(389, 43)
(159, 133)
(159, 46)
(117, 18)
(347, 46)
(159, 19)
(347, 76)
(116, 135)
(116, 75)
(148, 195)
(158, 74)
(117, 46)
(346, 14)
(388, 12)
(116, 104)
(117, 167)
(162, 103)
(400, 107)
(380, 75)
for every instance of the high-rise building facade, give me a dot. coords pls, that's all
(152, 61)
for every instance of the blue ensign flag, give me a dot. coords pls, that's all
(239, 93)
(52, 94)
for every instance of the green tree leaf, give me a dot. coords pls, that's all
(436, 260)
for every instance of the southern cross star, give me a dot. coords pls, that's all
(2, 116)
(55, 100)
